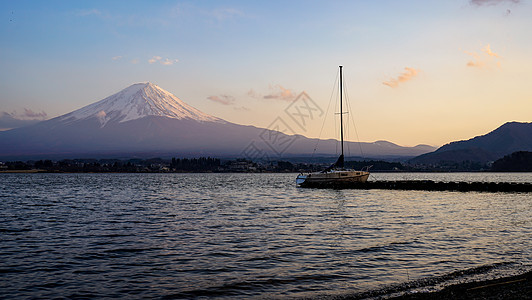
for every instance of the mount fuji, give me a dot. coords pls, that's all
(144, 120)
(135, 102)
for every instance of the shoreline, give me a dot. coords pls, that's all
(511, 287)
(508, 287)
(25, 171)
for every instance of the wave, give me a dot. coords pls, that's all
(437, 283)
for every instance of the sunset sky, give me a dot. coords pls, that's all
(417, 72)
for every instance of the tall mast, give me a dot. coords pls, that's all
(341, 113)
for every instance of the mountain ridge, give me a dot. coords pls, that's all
(506, 139)
(137, 101)
(143, 118)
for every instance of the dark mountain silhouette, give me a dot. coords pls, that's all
(509, 138)
(144, 120)
(520, 161)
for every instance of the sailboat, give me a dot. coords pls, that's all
(336, 173)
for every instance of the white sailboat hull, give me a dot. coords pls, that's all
(334, 176)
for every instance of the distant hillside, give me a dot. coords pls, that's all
(508, 138)
(9, 121)
(516, 162)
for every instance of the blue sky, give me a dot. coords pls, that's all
(417, 71)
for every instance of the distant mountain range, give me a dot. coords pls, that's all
(144, 120)
(508, 138)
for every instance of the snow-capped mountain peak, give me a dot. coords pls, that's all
(138, 101)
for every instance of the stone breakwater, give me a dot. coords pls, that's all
(428, 185)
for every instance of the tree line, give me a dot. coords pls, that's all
(201, 164)
(516, 162)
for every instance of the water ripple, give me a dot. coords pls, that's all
(247, 235)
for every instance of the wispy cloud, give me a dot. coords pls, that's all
(488, 51)
(476, 60)
(220, 14)
(154, 59)
(407, 75)
(278, 92)
(242, 108)
(275, 92)
(165, 62)
(484, 59)
(222, 99)
(30, 114)
(88, 12)
(168, 62)
(491, 2)
(15, 119)
(473, 63)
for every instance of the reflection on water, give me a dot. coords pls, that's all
(226, 235)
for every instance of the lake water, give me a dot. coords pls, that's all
(250, 236)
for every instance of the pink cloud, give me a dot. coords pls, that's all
(488, 51)
(154, 59)
(169, 62)
(484, 59)
(280, 93)
(473, 63)
(165, 62)
(222, 99)
(407, 75)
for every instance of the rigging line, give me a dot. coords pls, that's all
(348, 118)
(326, 113)
(346, 125)
(346, 129)
(354, 125)
(336, 131)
